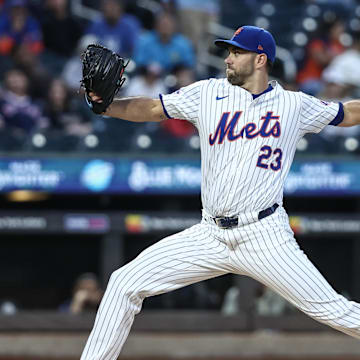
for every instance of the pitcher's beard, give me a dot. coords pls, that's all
(239, 79)
(235, 79)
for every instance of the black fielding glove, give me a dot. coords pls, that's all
(102, 74)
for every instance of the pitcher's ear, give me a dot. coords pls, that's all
(261, 60)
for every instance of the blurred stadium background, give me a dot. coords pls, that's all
(82, 194)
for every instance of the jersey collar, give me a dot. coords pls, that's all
(270, 87)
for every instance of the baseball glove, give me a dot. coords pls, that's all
(102, 74)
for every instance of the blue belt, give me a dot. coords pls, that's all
(229, 222)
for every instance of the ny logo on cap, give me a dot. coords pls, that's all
(238, 31)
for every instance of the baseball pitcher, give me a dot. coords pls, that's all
(249, 128)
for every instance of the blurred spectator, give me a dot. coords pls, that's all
(30, 63)
(72, 71)
(181, 76)
(94, 4)
(18, 27)
(164, 46)
(342, 83)
(269, 303)
(148, 83)
(231, 305)
(146, 15)
(342, 76)
(195, 17)
(320, 52)
(65, 112)
(115, 29)
(169, 6)
(176, 127)
(336, 4)
(196, 296)
(61, 32)
(171, 135)
(87, 295)
(17, 111)
(266, 302)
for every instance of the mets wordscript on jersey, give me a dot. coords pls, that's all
(226, 128)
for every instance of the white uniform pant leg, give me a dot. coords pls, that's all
(176, 261)
(268, 252)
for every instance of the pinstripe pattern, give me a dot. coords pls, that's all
(272, 256)
(226, 190)
(264, 250)
(232, 184)
(179, 260)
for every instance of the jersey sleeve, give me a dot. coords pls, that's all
(316, 114)
(183, 103)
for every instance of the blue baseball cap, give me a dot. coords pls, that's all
(251, 38)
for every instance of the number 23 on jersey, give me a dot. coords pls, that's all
(265, 153)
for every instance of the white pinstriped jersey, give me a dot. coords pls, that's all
(247, 144)
(247, 147)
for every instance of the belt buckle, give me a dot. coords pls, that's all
(225, 222)
(220, 222)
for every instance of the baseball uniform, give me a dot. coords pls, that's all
(247, 146)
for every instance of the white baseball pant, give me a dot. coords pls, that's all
(264, 250)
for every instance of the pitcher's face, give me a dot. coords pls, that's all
(239, 65)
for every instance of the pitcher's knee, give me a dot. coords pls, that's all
(122, 281)
(125, 284)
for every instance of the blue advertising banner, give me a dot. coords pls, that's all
(121, 175)
(319, 178)
(160, 176)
